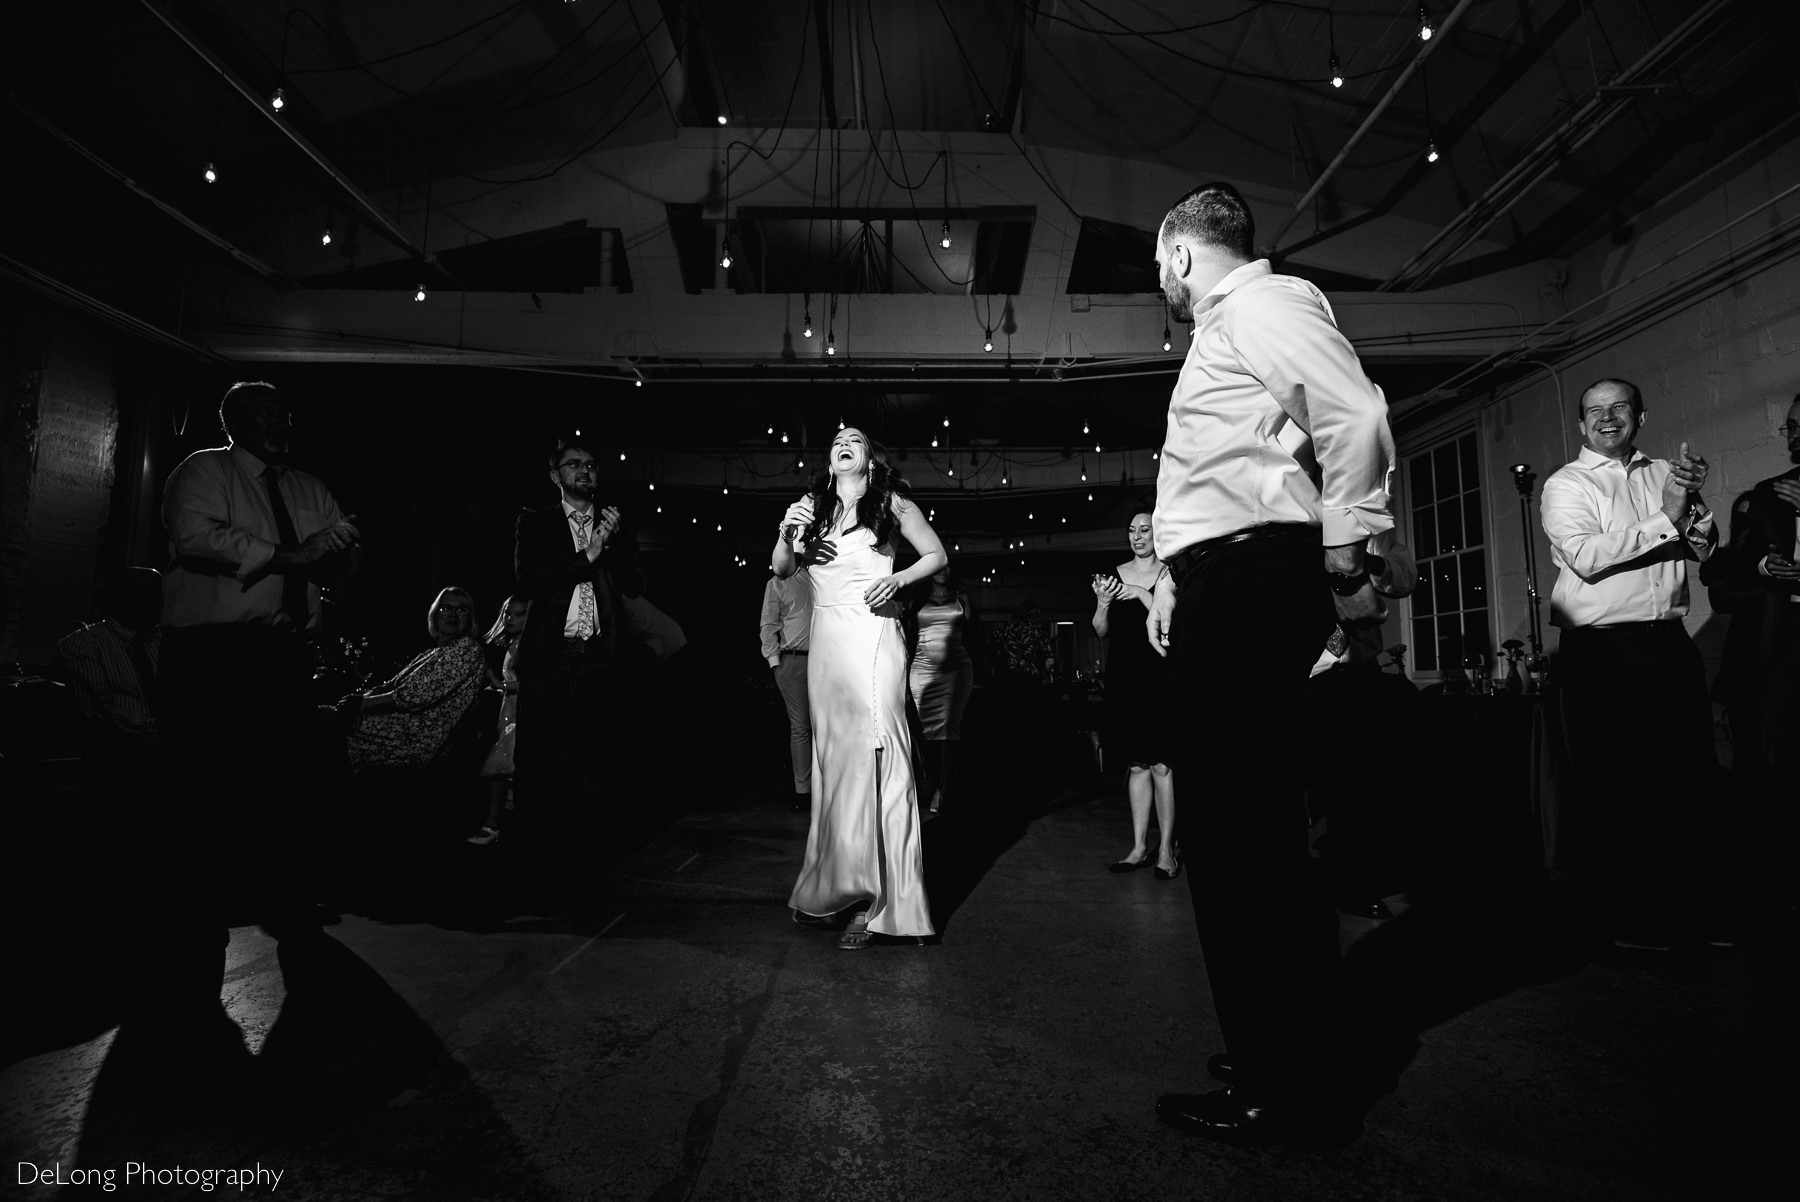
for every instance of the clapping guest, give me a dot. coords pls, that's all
(497, 769)
(1137, 694)
(941, 677)
(408, 718)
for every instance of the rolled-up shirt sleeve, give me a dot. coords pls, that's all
(771, 622)
(200, 530)
(1287, 339)
(1571, 516)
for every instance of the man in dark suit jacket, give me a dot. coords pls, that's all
(577, 659)
(1768, 563)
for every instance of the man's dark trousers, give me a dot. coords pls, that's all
(1250, 620)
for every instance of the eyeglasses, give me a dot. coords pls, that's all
(1788, 430)
(577, 465)
(447, 608)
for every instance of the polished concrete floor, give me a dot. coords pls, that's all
(688, 1041)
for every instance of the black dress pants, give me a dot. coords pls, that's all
(1642, 813)
(1250, 620)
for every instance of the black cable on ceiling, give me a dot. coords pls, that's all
(399, 54)
(976, 78)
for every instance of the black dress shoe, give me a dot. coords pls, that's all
(1131, 866)
(1218, 1066)
(1221, 1116)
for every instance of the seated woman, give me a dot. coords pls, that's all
(408, 719)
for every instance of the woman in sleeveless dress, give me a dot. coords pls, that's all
(942, 677)
(863, 853)
(1137, 696)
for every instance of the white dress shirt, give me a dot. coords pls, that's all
(1618, 557)
(222, 535)
(786, 615)
(1271, 396)
(573, 626)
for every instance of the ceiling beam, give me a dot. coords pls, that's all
(93, 306)
(1608, 101)
(382, 222)
(243, 257)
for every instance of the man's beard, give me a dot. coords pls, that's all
(1180, 308)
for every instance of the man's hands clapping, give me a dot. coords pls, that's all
(1687, 475)
(605, 526)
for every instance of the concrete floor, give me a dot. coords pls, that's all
(693, 1043)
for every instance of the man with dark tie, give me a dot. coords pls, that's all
(578, 663)
(250, 538)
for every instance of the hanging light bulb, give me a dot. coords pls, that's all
(784, 438)
(988, 341)
(722, 115)
(806, 330)
(277, 100)
(1431, 154)
(945, 240)
(1153, 455)
(1096, 448)
(1168, 343)
(325, 238)
(211, 174)
(840, 423)
(1425, 29)
(725, 258)
(831, 342)
(1090, 496)
(638, 383)
(1337, 73)
(652, 486)
(420, 294)
(621, 456)
(946, 423)
(1084, 425)
(934, 440)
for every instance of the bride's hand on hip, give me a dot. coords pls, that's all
(882, 591)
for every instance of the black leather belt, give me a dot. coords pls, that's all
(1656, 624)
(1189, 557)
(791, 651)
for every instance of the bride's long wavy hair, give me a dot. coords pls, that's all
(874, 509)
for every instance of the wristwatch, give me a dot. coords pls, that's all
(1346, 584)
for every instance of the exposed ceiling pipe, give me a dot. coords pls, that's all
(75, 298)
(1369, 122)
(1608, 101)
(242, 256)
(383, 223)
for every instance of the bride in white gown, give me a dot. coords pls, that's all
(863, 848)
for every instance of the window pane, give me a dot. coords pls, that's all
(1424, 646)
(1449, 524)
(1471, 520)
(1474, 580)
(1475, 633)
(1443, 574)
(1444, 469)
(1421, 480)
(1425, 537)
(1471, 471)
(1449, 644)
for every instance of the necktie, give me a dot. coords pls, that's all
(293, 585)
(585, 620)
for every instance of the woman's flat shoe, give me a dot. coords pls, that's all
(1130, 865)
(856, 936)
(1170, 874)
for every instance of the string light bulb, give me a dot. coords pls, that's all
(211, 174)
(1337, 73)
(1431, 154)
(945, 240)
(419, 295)
(722, 115)
(1425, 29)
(988, 341)
(725, 257)
(831, 342)
(325, 238)
(806, 330)
(277, 100)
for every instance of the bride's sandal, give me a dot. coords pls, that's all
(856, 935)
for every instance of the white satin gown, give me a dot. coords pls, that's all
(864, 845)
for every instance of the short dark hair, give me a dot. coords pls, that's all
(569, 442)
(1632, 394)
(1215, 215)
(240, 395)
